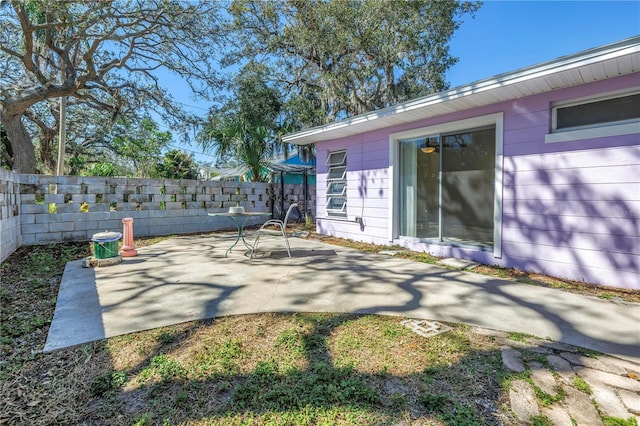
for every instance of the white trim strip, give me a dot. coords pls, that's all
(498, 177)
(593, 132)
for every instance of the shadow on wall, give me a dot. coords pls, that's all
(571, 214)
(574, 222)
(367, 178)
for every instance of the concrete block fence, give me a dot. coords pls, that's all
(10, 235)
(40, 209)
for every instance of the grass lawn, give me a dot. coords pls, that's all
(263, 369)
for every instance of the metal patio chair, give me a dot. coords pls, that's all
(280, 226)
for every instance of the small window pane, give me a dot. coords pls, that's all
(599, 112)
(337, 158)
(336, 204)
(337, 173)
(337, 188)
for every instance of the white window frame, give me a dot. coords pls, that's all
(596, 130)
(496, 120)
(335, 197)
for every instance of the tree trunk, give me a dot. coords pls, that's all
(24, 155)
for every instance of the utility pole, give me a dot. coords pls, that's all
(62, 137)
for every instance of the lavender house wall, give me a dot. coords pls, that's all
(569, 209)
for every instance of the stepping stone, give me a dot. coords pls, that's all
(540, 350)
(557, 346)
(544, 379)
(631, 368)
(562, 367)
(512, 360)
(523, 400)
(596, 364)
(581, 408)
(608, 401)
(557, 416)
(631, 400)
(454, 263)
(596, 376)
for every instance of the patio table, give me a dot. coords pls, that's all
(240, 220)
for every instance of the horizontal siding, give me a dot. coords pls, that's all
(375, 157)
(368, 198)
(367, 183)
(367, 180)
(620, 244)
(368, 212)
(606, 157)
(372, 154)
(573, 257)
(525, 136)
(352, 231)
(575, 214)
(379, 223)
(369, 203)
(570, 209)
(578, 191)
(570, 225)
(367, 189)
(588, 273)
(584, 175)
(599, 208)
(530, 119)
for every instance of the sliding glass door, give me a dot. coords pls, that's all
(447, 186)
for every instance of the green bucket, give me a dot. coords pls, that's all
(105, 244)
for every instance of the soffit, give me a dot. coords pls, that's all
(597, 64)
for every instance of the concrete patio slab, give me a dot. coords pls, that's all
(188, 278)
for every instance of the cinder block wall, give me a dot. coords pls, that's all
(10, 235)
(73, 208)
(40, 209)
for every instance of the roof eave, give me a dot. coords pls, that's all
(394, 115)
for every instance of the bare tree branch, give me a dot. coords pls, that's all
(92, 51)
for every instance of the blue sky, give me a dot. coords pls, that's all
(507, 35)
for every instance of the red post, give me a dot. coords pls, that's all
(128, 250)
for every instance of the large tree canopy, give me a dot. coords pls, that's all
(340, 58)
(102, 54)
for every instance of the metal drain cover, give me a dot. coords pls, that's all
(425, 328)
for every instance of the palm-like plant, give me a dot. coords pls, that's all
(252, 145)
(247, 127)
